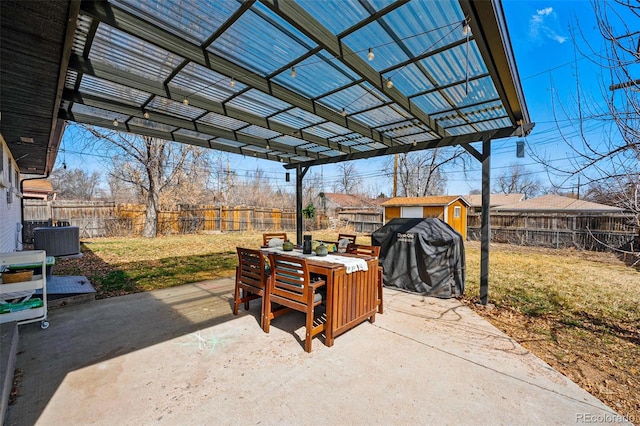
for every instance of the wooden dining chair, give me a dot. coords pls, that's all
(251, 280)
(291, 287)
(271, 235)
(350, 237)
(375, 252)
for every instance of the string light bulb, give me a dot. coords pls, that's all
(185, 101)
(415, 143)
(293, 72)
(370, 55)
(465, 28)
(146, 114)
(232, 83)
(389, 83)
(344, 112)
(115, 123)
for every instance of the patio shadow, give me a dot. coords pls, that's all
(87, 334)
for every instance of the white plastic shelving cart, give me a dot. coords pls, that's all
(22, 291)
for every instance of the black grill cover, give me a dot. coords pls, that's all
(423, 256)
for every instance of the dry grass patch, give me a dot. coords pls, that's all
(578, 311)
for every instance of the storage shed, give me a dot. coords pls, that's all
(452, 209)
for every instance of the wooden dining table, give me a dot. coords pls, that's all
(351, 296)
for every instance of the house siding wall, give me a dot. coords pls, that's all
(10, 217)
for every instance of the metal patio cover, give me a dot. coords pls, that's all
(302, 82)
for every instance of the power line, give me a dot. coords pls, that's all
(383, 174)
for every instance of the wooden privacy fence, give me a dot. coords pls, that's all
(583, 231)
(108, 219)
(365, 222)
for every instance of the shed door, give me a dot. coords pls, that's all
(412, 212)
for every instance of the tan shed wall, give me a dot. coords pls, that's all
(391, 212)
(460, 223)
(433, 211)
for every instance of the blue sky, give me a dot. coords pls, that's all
(547, 62)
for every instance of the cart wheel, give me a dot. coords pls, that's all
(44, 325)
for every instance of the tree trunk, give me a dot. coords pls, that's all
(150, 229)
(155, 155)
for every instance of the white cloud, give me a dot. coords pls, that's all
(546, 11)
(540, 27)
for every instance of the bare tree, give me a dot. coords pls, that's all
(311, 187)
(420, 173)
(150, 165)
(75, 184)
(348, 180)
(254, 190)
(608, 163)
(224, 181)
(122, 192)
(618, 191)
(190, 184)
(517, 180)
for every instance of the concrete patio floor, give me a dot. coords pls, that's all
(178, 356)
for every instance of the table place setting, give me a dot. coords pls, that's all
(352, 264)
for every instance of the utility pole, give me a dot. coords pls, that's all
(625, 85)
(395, 176)
(228, 181)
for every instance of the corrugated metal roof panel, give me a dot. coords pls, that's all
(222, 121)
(94, 86)
(130, 54)
(193, 20)
(261, 41)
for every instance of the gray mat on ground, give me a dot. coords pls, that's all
(68, 284)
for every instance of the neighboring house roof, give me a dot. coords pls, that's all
(37, 186)
(347, 200)
(557, 203)
(435, 200)
(379, 201)
(475, 200)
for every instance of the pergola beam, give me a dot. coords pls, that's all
(300, 172)
(485, 221)
(181, 123)
(463, 140)
(169, 136)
